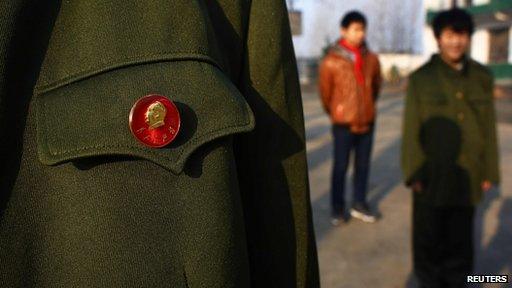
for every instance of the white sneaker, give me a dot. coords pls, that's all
(363, 213)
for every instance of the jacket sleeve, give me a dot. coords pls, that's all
(7, 19)
(271, 159)
(412, 156)
(491, 154)
(325, 83)
(9, 12)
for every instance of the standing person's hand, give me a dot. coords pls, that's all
(417, 187)
(486, 185)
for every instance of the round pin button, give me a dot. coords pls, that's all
(154, 121)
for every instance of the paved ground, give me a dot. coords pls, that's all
(378, 255)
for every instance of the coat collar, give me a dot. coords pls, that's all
(344, 52)
(447, 69)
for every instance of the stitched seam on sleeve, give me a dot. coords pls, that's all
(140, 59)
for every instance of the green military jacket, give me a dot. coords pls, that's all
(86, 204)
(449, 132)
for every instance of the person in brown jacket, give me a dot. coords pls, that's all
(349, 84)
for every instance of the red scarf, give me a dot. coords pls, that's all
(358, 63)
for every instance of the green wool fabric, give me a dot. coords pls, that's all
(84, 204)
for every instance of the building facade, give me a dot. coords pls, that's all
(395, 30)
(400, 32)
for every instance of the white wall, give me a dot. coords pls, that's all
(480, 46)
(432, 4)
(393, 24)
(481, 2)
(445, 4)
(429, 41)
(321, 21)
(439, 4)
(475, 2)
(314, 32)
(510, 46)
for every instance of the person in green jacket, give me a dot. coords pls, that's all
(152, 144)
(449, 152)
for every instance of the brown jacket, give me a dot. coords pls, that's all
(344, 100)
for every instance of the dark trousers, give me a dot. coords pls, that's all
(344, 142)
(442, 244)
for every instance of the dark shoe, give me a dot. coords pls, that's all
(362, 212)
(337, 217)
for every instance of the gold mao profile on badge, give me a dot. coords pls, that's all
(155, 115)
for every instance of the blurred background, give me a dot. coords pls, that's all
(379, 255)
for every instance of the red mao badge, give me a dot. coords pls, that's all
(154, 121)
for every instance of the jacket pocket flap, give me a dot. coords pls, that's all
(90, 116)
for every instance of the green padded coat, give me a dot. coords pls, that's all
(449, 132)
(84, 204)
